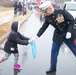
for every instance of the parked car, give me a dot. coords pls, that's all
(70, 7)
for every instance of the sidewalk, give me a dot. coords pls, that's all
(5, 13)
(5, 27)
(6, 16)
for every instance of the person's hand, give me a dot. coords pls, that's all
(32, 39)
(68, 35)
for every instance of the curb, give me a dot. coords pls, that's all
(6, 35)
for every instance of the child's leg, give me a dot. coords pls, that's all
(16, 65)
(16, 56)
(5, 57)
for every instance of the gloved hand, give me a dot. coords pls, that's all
(33, 39)
(68, 35)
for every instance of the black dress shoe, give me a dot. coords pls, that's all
(50, 70)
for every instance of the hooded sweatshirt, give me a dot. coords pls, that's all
(15, 38)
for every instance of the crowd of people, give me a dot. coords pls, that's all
(19, 9)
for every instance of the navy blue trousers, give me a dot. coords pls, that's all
(55, 50)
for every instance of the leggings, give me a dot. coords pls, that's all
(7, 55)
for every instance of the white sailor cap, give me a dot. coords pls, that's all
(45, 5)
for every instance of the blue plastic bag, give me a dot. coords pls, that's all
(33, 47)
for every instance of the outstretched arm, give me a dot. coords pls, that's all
(41, 30)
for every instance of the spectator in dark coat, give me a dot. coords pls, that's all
(20, 8)
(10, 46)
(15, 8)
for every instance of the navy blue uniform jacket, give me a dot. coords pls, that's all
(62, 21)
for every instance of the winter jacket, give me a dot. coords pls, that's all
(14, 38)
(15, 6)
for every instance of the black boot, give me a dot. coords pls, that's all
(50, 70)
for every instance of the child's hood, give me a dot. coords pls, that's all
(14, 26)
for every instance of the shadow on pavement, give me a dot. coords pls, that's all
(52, 73)
(16, 71)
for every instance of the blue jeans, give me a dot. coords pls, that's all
(55, 51)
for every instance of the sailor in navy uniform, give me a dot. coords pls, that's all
(62, 21)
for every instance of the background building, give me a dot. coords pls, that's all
(7, 3)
